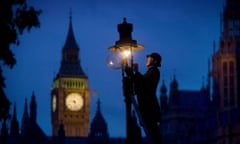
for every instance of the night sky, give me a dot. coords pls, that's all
(182, 31)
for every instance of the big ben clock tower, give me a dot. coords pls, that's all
(70, 94)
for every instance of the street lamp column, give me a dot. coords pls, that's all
(126, 46)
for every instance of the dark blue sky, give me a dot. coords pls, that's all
(181, 31)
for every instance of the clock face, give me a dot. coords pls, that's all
(74, 101)
(54, 103)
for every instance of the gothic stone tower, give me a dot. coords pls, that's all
(70, 94)
(226, 75)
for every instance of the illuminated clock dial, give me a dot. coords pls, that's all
(74, 101)
(54, 103)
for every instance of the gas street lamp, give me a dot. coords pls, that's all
(124, 49)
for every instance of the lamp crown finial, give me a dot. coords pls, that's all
(124, 20)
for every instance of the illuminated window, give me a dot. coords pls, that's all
(231, 82)
(225, 85)
(225, 68)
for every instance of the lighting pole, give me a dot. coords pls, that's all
(125, 46)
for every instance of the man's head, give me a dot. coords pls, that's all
(154, 59)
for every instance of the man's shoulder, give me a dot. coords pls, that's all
(153, 68)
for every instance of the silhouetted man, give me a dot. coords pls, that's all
(145, 86)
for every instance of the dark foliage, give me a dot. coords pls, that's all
(15, 17)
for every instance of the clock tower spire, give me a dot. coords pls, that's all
(70, 65)
(70, 98)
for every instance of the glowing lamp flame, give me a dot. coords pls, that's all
(126, 54)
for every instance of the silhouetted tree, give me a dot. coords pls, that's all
(15, 17)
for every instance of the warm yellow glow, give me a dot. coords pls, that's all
(54, 103)
(126, 46)
(74, 101)
(78, 83)
(126, 53)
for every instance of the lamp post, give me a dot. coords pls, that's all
(126, 46)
